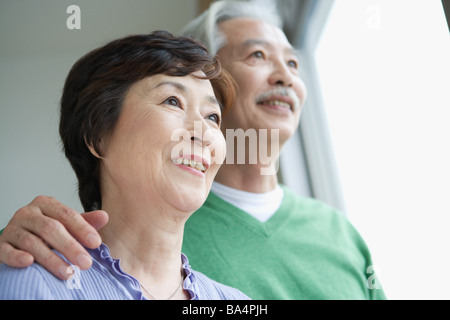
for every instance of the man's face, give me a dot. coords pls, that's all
(261, 60)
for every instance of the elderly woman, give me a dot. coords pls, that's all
(140, 125)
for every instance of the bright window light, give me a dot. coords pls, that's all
(384, 70)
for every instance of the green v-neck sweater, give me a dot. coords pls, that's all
(306, 250)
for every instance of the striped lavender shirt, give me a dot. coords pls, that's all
(105, 280)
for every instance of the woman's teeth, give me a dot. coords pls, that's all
(190, 163)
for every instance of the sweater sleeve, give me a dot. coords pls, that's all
(23, 284)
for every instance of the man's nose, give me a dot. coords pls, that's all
(281, 74)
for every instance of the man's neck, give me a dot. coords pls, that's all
(246, 177)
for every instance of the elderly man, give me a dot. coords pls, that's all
(252, 233)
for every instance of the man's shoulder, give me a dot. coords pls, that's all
(296, 201)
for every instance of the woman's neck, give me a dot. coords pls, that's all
(148, 244)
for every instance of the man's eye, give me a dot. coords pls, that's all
(214, 117)
(173, 101)
(293, 64)
(258, 54)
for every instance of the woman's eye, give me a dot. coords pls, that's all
(173, 101)
(214, 117)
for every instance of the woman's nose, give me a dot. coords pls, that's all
(200, 133)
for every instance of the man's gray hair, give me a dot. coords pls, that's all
(205, 27)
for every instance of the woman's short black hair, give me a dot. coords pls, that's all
(97, 84)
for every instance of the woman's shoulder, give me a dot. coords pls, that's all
(30, 283)
(36, 283)
(208, 289)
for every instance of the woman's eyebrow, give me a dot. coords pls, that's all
(213, 100)
(174, 84)
(184, 89)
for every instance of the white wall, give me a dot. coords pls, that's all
(36, 52)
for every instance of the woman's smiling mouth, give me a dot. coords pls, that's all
(191, 163)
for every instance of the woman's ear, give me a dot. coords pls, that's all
(92, 149)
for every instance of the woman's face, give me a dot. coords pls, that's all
(167, 145)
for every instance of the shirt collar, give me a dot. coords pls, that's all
(102, 257)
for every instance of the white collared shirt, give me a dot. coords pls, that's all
(259, 205)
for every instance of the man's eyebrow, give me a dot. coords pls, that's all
(253, 42)
(294, 52)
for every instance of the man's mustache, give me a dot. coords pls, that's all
(282, 91)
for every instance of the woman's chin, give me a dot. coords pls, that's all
(189, 203)
(185, 196)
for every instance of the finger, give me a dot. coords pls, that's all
(53, 263)
(13, 257)
(79, 228)
(44, 255)
(30, 228)
(56, 235)
(98, 218)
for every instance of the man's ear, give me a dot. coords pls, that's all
(92, 149)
